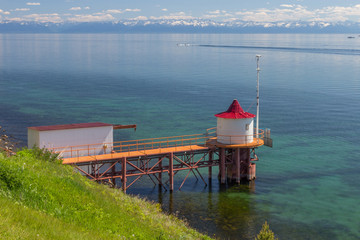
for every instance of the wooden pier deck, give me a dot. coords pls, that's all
(134, 154)
(155, 158)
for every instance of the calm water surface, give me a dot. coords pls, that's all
(307, 186)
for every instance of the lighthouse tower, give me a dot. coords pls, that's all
(235, 126)
(236, 141)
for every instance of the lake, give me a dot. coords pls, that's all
(308, 184)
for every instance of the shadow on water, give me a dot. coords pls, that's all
(224, 211)
(232, 211)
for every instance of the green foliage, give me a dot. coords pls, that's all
(265, 233)
(40, 196)
(10, 177)
(40, 154)
(20, 222)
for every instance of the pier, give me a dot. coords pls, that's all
(160, 159)
(90, 148)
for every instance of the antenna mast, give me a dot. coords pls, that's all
(257, 97)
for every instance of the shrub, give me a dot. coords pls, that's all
(40, 154)
(10, 176)
(265, 233)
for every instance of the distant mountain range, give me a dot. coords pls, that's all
(179, 26)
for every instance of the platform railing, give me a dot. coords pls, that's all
(146, 144)
(133, 145)
(243, 139)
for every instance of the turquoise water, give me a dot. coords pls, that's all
(308, 184)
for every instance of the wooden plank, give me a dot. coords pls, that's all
(171, 171)
(111, 156)
(222, 166)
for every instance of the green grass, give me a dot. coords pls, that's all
(42, 199)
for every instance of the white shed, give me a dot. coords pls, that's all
(235, 126)
(73, 140)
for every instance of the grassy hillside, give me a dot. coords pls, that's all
(42, 199)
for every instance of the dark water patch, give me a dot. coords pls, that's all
(289, 49)
(273, 179)
(324, 229)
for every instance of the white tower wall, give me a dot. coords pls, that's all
(235, 131)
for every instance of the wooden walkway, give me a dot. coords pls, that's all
(133, 154)
(157, 158)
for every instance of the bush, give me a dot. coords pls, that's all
(10, 176)
(265, 233)
(40, 154)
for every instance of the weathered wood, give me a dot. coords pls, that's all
(123, 169)
(237, 165)
(171, 171)
(119, 126)
(222, 166)
(160, 173)
(210, 168)
(245, 163)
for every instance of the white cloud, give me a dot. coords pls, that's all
(97, 17)
(22, 9)
(119, 11)
(338, 14)
(215, 12)
(301, 13)
(32, 4)
(287, 5)
(4, 12)
(279, 16)
(50, 17)
(218, 14)
(75, 9)
(209, 16)
(115, 11)
(133, 10)
(174, 16)
(139, 18)
(274, 15)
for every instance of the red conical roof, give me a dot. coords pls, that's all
(235, 112)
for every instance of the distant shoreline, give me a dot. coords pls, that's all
(140, 27)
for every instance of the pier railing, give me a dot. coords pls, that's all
(147, 144)
(245, 140)
(134, 145)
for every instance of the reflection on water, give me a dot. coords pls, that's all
(227, 211)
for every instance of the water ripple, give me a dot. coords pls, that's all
(291, 49)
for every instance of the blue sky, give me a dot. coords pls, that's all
(147, 10)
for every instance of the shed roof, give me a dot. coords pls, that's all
(70, 126)
(235, 111)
